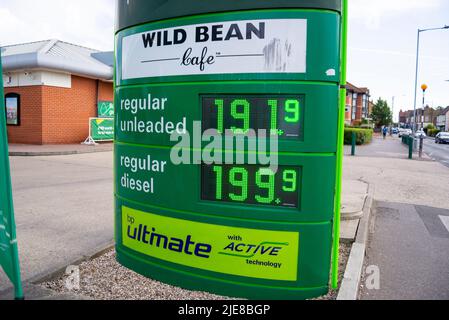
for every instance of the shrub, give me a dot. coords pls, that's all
(433, 132)
(429, 128)
(364, 136)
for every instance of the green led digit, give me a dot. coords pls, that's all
(274, 116)
(244, 116)
(290, 177)
(238, 177)
(218, 190)
(268, 185)
(292, 108)
(219, 103)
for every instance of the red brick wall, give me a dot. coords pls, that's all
(30, 129)
(53, 115)
(359, 107)
(105, 92)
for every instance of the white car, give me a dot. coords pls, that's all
(420, 133)
(405, 132)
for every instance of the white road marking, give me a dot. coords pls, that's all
(445, 220)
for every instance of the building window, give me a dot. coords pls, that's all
(12, 104)
(354, 106)
(365, 106)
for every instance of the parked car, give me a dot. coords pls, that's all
(442, 137)
(405, 132)
(420, 133)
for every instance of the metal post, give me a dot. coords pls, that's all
(354, 142)
(423, 108)
(416, 83)
(421, 145)
(410, 147)
(340, 151)
(417, 68)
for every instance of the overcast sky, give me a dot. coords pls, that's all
(382, 40)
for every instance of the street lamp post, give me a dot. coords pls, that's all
(424, 87)
(417, 68)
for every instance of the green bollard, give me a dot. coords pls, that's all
(354, 141)
(410, 147)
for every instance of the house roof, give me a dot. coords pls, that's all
(60, 56)
(443, 112)
(353, 88)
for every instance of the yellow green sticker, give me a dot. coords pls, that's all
(262, 254)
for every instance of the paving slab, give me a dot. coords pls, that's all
(348, 230)
(354, 194)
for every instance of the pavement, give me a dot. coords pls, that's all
(57, 150)
(65, 214)
(409, 243)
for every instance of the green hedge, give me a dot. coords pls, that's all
(433, 132)
(364, 136)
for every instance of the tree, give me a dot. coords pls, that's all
(381, 114)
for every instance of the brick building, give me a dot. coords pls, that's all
(52, 88)
(358, 107)
(425, 117)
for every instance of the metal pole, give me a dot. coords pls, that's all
(416, 82)
(423, 108)
(340, 151)
(421, 143)
(392, 108)
(411, 141)
(354, 142)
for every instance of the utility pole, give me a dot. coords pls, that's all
(417, 69)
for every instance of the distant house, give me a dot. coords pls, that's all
(424, 117)
(357, 104)
(442, 119)
(52, 88)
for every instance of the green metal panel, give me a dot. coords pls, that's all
(319, 104)
(323, 36)
(315, 190)
(9, 259)
(130, 13)
(313, 257)
(166, 228)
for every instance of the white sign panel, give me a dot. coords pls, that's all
(248, 46)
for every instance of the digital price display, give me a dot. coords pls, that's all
(251, 184)
(281, 115)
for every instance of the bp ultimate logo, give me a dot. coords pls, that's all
(229, 250)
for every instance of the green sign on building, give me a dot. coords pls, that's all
(106, 109)
(9, 258)
(223, 182)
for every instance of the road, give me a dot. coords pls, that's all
(438, 152)
(411, 248)
(63, 208)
